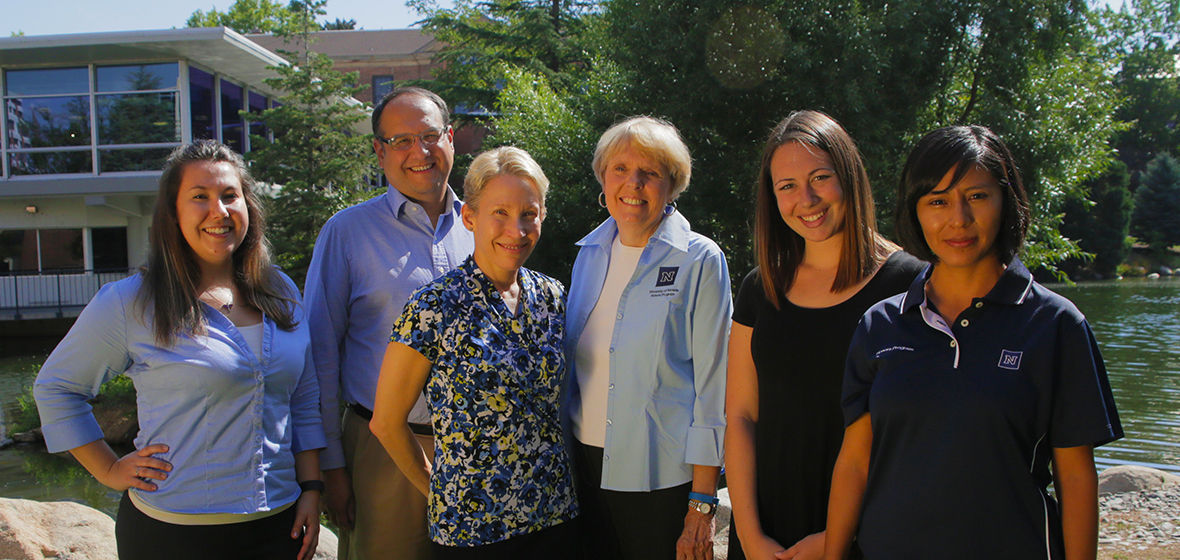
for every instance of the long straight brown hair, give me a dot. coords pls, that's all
(172, 275)
(779, 249)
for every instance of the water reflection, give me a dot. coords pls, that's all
(1137, 323)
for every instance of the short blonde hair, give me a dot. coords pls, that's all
(505, 160)
(657, 139)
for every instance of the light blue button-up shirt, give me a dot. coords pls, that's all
(232, 422)
(666, 397)
(368, 259)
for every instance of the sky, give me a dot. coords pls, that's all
(50, 17)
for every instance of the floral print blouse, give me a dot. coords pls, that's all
(500, 466)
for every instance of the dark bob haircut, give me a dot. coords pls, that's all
(960, 149)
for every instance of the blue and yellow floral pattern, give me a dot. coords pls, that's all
(500, 467)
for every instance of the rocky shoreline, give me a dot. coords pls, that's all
(1142, 525)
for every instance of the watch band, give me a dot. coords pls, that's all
(309, 485)
(705, 508)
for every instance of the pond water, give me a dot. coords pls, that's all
(1137, 323)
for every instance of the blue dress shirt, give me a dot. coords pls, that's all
(666, 397)
(368, 259)
(232, 422)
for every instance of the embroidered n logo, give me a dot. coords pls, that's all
(1010, 359)
(667, 276)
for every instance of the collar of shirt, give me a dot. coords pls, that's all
(1011, 289)
(674, 230)
(398, 201)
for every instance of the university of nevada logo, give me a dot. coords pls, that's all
(1010, 359)
(667, 276)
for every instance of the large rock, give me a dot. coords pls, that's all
(63, 530)
(329, 545)
(721, 533)
(1133, 478)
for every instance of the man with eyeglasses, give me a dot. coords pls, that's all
(368, 259)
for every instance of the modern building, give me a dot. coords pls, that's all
(88, 120)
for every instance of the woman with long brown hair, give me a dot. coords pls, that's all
(210, 333)
(821, 264)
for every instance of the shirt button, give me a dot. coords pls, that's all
(605, 457)
(612, 350)
(608, 422)
(611, 387)
(954, 343)
(619, 316)
(963, 322)
(978, 304)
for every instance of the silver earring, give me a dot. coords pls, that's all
(670, 208)
(602, 199)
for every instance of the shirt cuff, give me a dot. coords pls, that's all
(704, 446)
(332, 457)
(71, 433)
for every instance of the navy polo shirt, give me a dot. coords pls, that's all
(965, 418)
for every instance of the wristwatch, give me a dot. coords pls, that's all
(705, 504)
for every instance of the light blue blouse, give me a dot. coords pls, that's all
(232, 422)
(666, 397)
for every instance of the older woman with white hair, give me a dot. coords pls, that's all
(485, 341)
(647, 325)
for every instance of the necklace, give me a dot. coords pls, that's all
(225, 307)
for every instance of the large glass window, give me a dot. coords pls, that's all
(231, 117)
(382, 85)
(203, 104)
(109, 246)
(53, 117)
(257, 129)
(41, 249)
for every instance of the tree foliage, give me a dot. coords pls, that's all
(486, 38)
(889, 71)
(1143, 37)
(266, 16)
(1157, 204)
(1101, 222)
(321, 164)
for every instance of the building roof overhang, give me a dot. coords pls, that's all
(217, 48)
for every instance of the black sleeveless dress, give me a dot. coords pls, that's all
(799, 354)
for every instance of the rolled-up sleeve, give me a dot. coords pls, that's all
(327, 294)
(711, 314)
(93, 352)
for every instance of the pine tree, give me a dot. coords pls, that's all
(321, 163)
(1157, 204)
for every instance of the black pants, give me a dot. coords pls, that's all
(140, 537)
(551, 543)
(626, 525)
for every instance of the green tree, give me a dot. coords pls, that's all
(487, 38)
(316, 156)
(889, 71)
(1101, 222)
(1157, 204)
(264, 16)
(1143, 37)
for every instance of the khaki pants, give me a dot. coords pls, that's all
(391, 519)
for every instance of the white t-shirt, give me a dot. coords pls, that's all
(593, 351)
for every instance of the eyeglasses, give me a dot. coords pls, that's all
(406, 141)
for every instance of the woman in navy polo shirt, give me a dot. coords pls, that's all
(213, 337)
(960, 393)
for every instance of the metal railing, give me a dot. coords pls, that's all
(53, 291)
